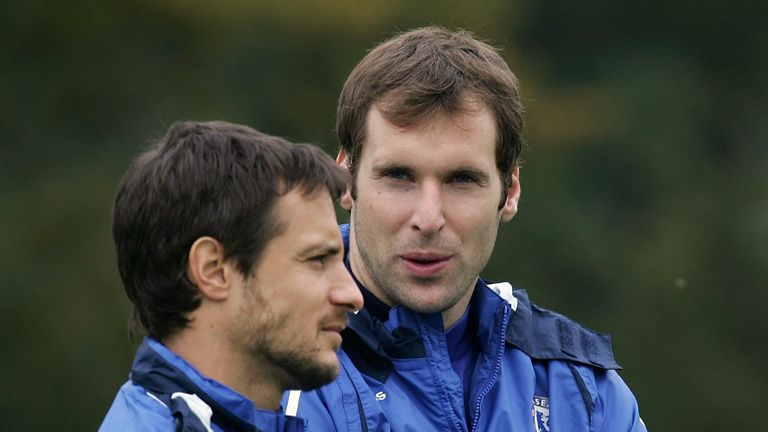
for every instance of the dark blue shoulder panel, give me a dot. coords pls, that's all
(547, 335)
(371, 346)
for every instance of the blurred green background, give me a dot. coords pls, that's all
(645, 197)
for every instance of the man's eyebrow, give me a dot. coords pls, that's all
(388, 166)
(384, 168)
(480, 174)
(321, 248)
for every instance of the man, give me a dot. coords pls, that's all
(228, 248)
(429, 123)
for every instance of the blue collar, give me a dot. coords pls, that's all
(547, 335)
(376, 307)
(163, 373)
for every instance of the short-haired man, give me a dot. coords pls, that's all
(228, 248)
(429, 123)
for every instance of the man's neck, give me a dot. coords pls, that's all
(215, 360)
(379, 307)
(452, 315)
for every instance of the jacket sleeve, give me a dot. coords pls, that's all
(616, 409)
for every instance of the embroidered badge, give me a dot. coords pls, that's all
(540, 413)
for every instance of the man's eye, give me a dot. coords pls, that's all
(318, 259)
(397, 174)
(464, 178)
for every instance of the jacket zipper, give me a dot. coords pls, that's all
(360, 411)
(496, 368)
(363, 423)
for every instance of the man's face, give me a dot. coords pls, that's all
(296, 302)
(424, 221)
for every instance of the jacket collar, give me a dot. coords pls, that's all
(163, 373)
(548, 335)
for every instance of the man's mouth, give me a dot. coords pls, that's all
(425, 264)
(336, 329)
(337, 325)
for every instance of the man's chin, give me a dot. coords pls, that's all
(318, 375)
(427, 305)
(304, 371)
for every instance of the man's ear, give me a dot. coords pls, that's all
(346, 197)
(509, 210)
(207, 270)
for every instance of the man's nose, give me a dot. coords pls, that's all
(428, 217)
(345, 291)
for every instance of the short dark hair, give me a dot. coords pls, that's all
(425, 72)
(204, 179)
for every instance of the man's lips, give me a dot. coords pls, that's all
(425, 256)
(334, 326)
(425, 264)
(333, 330)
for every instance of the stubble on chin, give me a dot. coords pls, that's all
(295, 367)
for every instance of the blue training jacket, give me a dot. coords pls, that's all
(536, 371)
(165, 393)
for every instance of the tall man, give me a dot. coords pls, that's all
(429, 123)
(228, 248)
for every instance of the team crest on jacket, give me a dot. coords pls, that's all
(540, 413)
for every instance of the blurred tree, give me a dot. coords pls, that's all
(645, 204)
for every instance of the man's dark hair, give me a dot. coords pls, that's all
(212, 179)
(422, 73)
